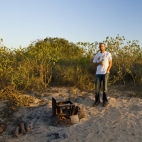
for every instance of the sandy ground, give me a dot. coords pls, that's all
(120, 121)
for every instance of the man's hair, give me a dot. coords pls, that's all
(102, 43)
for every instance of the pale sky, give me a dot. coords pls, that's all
(23, 21)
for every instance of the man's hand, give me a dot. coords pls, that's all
(107, 71)
(101, 63)
(109, 67)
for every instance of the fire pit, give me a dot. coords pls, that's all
(66, 112)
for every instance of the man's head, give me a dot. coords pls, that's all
(102, 47)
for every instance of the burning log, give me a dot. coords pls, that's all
(62, 118)
(62, 111)
(57, 108)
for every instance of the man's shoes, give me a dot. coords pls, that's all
(96, 103)
(105, 103)
(97, 99)
(105, 100)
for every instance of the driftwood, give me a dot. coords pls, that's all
(22, 128)
(16, 133)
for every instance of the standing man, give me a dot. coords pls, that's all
(103, 61)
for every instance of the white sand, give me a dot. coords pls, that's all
(120, 121)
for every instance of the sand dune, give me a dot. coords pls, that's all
(120, 121)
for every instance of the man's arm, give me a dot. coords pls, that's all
(99, 63)
(109, 66)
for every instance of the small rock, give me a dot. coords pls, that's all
(81, 114)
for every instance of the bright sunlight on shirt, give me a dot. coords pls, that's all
(105, 57)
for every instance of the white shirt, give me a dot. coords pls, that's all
(106, 56)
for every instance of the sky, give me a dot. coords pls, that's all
(24, 21)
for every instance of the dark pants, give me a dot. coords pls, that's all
(101, 78)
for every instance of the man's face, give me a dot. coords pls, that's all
(102, 47)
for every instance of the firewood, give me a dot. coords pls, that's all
(55, 120)
(16, 133)
(22, 128)
(73, 110)
(77, 108)
(67, 112)
(27, 126)
(66, 105)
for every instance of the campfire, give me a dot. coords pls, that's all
(66, 113)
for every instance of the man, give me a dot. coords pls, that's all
(103, 61)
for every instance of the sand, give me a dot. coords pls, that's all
(120, 121)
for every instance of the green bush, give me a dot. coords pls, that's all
(56, 61)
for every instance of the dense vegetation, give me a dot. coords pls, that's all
(58, 62)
